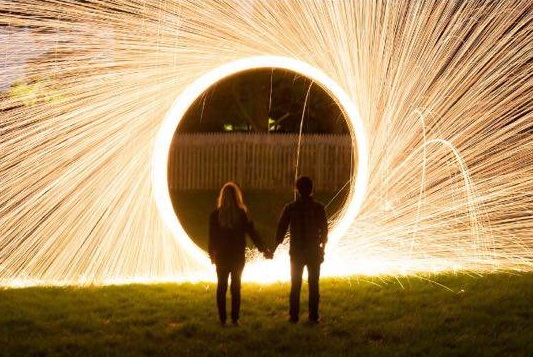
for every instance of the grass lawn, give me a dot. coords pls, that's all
(474, 316)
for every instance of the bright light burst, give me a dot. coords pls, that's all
(169, 126)
(444, 90)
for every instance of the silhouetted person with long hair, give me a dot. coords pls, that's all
(228, 225)
(308, 237)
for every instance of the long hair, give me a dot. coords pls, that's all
(229, 205)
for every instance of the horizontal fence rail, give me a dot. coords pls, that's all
(259, 160)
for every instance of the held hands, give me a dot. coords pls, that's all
(268, 253)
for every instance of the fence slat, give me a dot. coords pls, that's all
(259, 160)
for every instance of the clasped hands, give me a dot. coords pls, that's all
(268, 253)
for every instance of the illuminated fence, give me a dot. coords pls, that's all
(258, 161)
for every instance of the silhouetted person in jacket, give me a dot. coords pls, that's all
(308, 237)
(228, 225)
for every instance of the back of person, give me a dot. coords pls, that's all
(308, 237)
(307, 226)
(228, 225)
(229, 243)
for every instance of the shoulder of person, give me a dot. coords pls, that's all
(289, 206)
(214, 213)
(245, 214)
(319, 205)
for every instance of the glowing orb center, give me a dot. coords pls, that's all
(192, 92)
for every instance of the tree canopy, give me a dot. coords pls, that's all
(265, 100)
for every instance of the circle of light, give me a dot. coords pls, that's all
(192, 92)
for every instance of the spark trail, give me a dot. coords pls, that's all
(444, 88)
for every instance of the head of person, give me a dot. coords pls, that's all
(230, 205)
(304, 185)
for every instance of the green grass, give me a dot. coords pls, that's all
(476, 316)
(193, 209)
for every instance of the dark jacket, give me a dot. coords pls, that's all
(226, 245)
(308, 228)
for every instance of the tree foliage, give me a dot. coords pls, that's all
(265, 100)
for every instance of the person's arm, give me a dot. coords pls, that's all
(283, 225)
(323, 226)
(252, 232)
(211, 244)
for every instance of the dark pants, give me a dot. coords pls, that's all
(313, 272)
(223, 273)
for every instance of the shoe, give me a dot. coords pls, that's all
(293, 320)
(222, 322)
(235, 322)
(314, 320)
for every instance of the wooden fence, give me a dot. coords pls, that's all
(258, 161)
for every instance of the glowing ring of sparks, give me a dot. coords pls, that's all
(193, 91)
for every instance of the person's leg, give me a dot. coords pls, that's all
(297, 269)
(235, 288)
(313, 272)
(222, 287)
